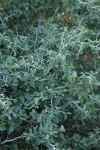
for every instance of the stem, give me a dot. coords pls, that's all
(11, 140)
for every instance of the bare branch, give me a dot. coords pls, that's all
(11, 140)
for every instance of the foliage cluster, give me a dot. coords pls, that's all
(49, 75)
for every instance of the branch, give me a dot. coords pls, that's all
(11, 140)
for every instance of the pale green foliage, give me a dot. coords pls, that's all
(49, 80)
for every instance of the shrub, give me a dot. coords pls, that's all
(49, 78)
